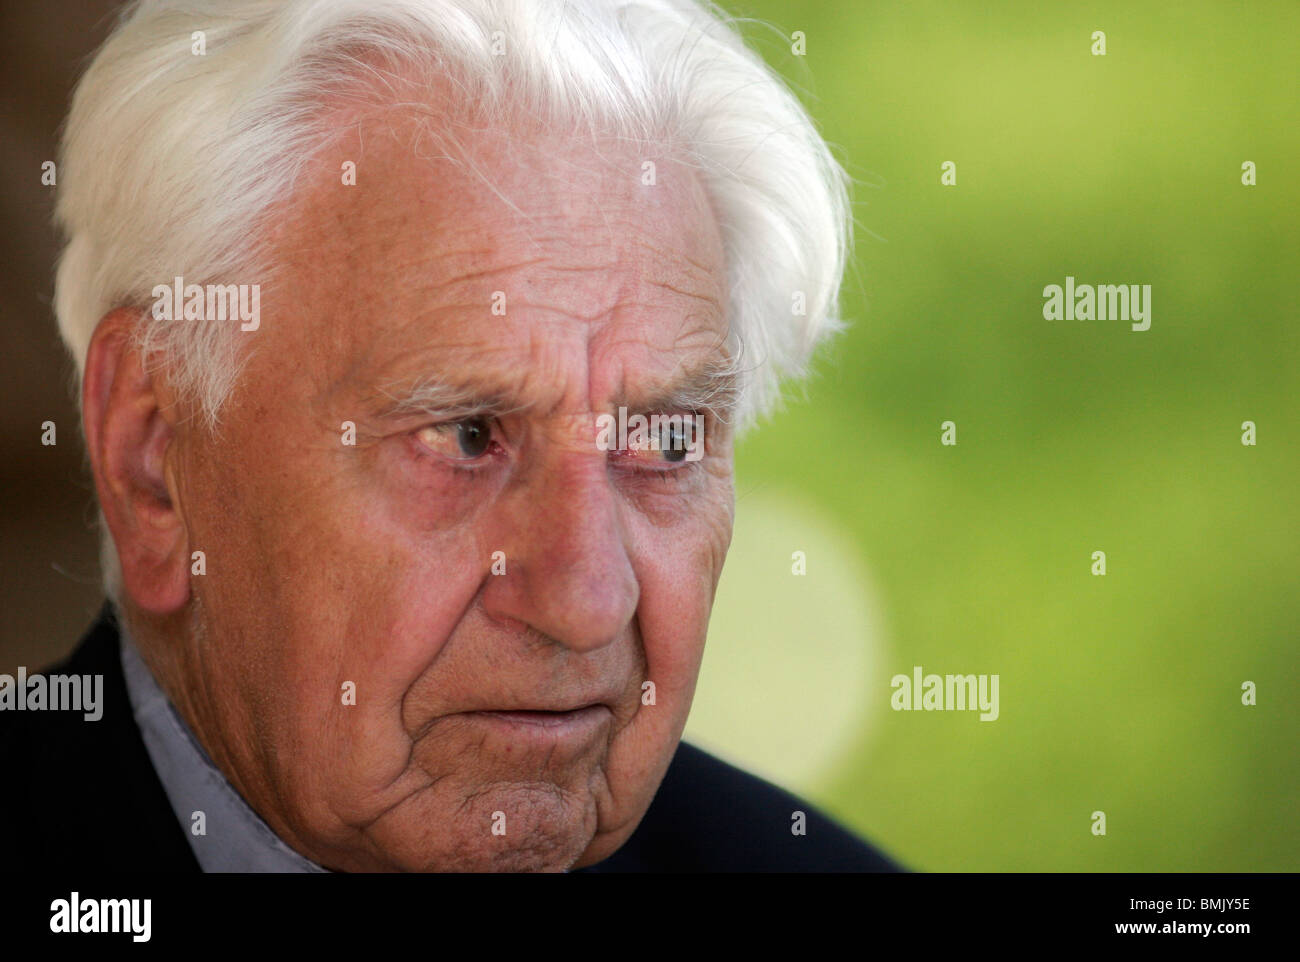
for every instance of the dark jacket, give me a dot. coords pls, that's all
(84, 795)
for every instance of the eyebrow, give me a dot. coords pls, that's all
(712, 389)
(442, 397)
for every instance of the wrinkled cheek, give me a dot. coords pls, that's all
(674, 644)
(373, 666)
(673, 619)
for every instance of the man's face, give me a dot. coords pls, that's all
(495, 587)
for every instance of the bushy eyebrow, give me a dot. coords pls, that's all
(441, 397)
(711, 389)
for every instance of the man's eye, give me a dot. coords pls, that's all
(459, 440)
(673, 442)
(667, 441)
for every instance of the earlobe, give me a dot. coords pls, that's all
(129, 430)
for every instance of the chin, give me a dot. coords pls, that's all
(498, 828)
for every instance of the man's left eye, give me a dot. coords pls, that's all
(464, 440)
(667, 441)
(674, 440)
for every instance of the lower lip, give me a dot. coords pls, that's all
(548, 723)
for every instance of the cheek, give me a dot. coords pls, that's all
(356, 579)
(401, 586)
(383, 600)
(678, 567)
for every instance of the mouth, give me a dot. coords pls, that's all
(531, 729)
(550, 720)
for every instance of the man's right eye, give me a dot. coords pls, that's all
(465, 440)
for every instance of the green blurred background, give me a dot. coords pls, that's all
(1119, 693)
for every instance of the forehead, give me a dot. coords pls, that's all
(575, 271)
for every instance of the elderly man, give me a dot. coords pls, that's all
(353, 287)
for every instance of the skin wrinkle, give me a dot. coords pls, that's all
(372, 563)
(477, 275)
(432, 658)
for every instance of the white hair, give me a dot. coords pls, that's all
(172, 160)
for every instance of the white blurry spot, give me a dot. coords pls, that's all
(791, 663)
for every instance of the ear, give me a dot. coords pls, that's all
(129, 429)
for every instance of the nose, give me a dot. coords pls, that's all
(568, 566)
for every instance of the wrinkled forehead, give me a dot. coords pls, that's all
(528, 258)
